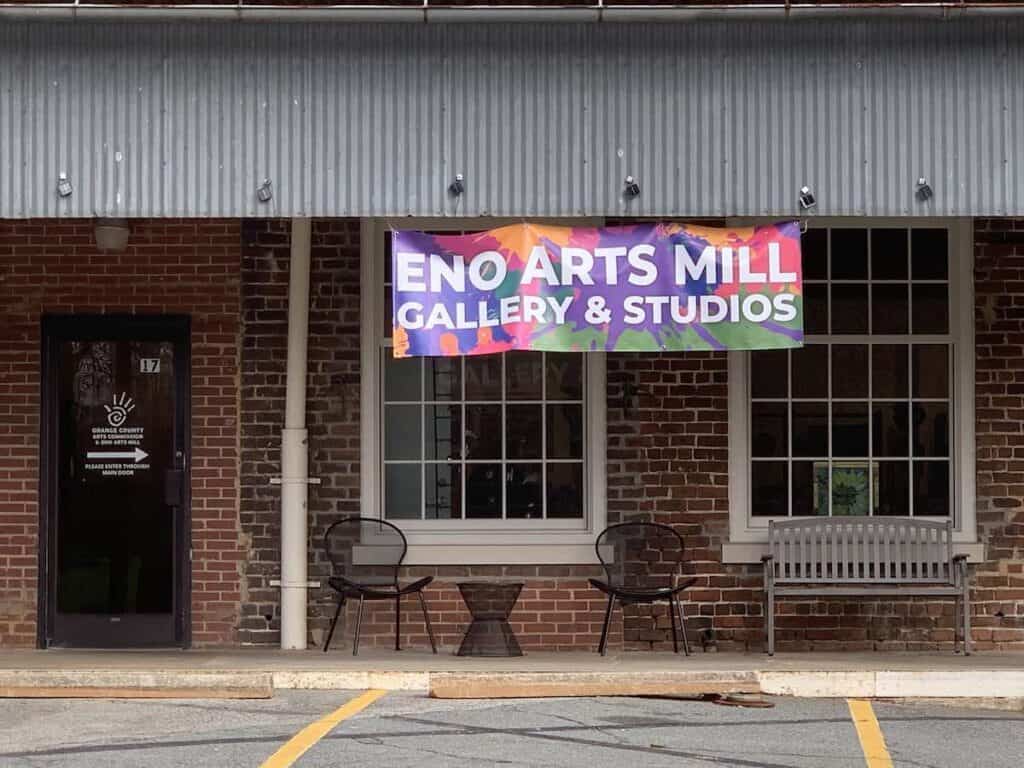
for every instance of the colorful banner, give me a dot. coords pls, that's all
(644, 287)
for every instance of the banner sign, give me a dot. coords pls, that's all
(644, 287)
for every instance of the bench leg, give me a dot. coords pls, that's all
(966, 606)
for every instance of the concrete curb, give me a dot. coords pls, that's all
(891, 684)
(134, 684)
(951, 684)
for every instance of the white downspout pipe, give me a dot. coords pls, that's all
(294, 448)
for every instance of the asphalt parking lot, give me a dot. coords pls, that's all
(412, 730)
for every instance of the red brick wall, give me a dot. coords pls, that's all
(332, 406)
(667, 446)
(999, 403)
(667, 460)
(556, 609)
(171, 266)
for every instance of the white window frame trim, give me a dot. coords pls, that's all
(473, 542)
(747, 542)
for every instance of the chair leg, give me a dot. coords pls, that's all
(682, 626)
(672, 618)
(769, 621)
(398, 623)
(359, 623)
(426, 620)
(334, 622)
(603, 645)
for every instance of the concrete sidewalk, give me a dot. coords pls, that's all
(242, 673)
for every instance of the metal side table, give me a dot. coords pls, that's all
(490, 603)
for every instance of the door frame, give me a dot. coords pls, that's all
(55, 328)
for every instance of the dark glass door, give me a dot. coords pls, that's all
(118, 481)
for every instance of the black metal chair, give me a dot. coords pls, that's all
(643, 564)
(365, 555)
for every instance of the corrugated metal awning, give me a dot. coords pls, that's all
(712, 118)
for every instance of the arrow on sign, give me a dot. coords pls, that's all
(138, 455)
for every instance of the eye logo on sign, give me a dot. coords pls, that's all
(118, 412)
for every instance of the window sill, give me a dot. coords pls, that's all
(501, 554)
(751, 552)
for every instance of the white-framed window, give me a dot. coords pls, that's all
(480, 459)
(875, 414)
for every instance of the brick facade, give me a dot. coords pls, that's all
(667, 447)
(170, 266)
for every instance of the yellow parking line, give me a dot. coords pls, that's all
(871, 740)
(297, 745)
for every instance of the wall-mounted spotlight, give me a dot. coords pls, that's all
(924, 190)
(807, 200)
(631, 188)
(457, 187)
(64, 188)
(265, 191)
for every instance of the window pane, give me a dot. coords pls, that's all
(892, 488)
(889, 377)
(444, 432)
(931, 371)
(483, 491)
(849, 254)
(768, 373)
(931, 488)
(483, 377)
(402, 491)
(565, 490)
(888, 254)
(849, 429)
(564, 373)
(523, 490)
(810, 371)
(930, 308)
(931, 429)
(443, 378)
(889, 433)
(810, 488)
(929, 254)
(814, 253)
(849, 488)
(401, 378)
(402, 435)
(810, 429)
(525, 375)
(769, 492)
(849, 370)
(483, 432)
(443, 491)
(565, 431)
(768, 429)
(523, 425)
(815, 309)
(850, 308)
(890, 311)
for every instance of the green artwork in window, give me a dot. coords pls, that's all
(850, 495)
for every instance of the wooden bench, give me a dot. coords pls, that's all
(867, 556)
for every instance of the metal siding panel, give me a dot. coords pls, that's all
(713, 118)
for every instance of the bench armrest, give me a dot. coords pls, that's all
(766, 558)
(958, 558)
